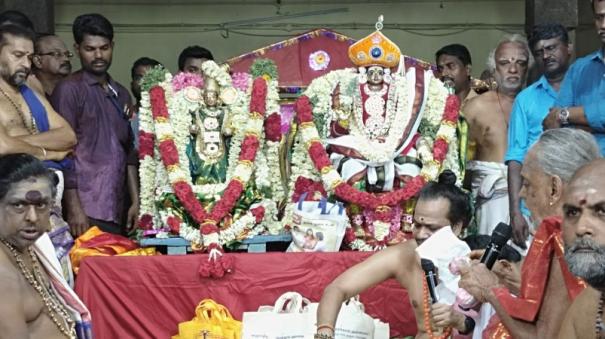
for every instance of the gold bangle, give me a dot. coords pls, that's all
(326, 326)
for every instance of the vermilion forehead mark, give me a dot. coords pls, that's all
(33, 196)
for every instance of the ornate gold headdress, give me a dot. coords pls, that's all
(375, 49)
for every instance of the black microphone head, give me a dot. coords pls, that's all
(501, 234)
(427, 265)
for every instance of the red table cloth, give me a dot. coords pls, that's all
(146, 297)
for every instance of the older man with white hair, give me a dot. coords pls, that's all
(547, 286)
(488, 117)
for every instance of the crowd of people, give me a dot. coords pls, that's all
(534, 160)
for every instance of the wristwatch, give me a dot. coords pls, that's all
(564, 116)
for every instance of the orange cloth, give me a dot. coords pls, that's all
(534, 274)
(95, 242)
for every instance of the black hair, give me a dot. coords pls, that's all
(143, 61)
(457, 50)
(15, 30)
(480, 242)
(547, 31)
(13, 17)
(18, 167)
(196, 52)
(92, 24)
(460, 203)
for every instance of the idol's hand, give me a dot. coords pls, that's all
(477, 280)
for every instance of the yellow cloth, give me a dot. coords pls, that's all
(212, 320)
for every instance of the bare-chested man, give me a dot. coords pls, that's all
(51, 61)
(439, 205)
(28, 124)
(51, 138)
(488, 116)
(29, 307)
(584, 237)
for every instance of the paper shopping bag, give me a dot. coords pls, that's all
(352, 321)
(317, 226)
(287, 319)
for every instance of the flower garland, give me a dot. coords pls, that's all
(432, 154)
(178, 175)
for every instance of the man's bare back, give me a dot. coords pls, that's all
(488, 116)
(25, 315)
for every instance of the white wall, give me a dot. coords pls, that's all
(152, 29)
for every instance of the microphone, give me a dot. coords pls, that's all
(500, 236)
(431, 278)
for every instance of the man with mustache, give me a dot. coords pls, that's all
(28, 124)
(580, 101)
(51, 62)
(552, 51)
(488, 117)
(98, 108)
(584, 237)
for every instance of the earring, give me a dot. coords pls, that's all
(387, 76)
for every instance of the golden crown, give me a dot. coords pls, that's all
(375, 49)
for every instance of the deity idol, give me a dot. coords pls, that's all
(207, 151)
(203, 156)
(379, 126)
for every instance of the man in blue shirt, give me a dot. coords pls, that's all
(581, 101)
(551, 49)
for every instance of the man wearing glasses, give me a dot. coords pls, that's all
(51, 62)
(551, 49)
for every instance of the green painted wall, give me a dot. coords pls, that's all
(419, 28)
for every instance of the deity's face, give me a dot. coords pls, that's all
(211, 98)
(451, 67)
(584, 227)
(52, 56)
(25, 211)
(430, 215)
(15, 63)
(538, 188)
(511, 66)
(96, 53)
(552, 56)
(375, 75)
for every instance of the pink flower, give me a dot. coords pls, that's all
(183, 80)
(241, 81)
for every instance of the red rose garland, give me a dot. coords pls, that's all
(345, 191)
(208, 221)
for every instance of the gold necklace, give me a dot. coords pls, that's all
(32, 128)
(51, 301)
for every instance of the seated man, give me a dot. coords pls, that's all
(439, 205)
(547, 286)
(36, 300)
(584, 236)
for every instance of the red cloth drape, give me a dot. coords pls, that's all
(146, 297)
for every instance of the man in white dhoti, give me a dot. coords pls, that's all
(488, 116)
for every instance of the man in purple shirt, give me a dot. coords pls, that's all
(97, 108)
